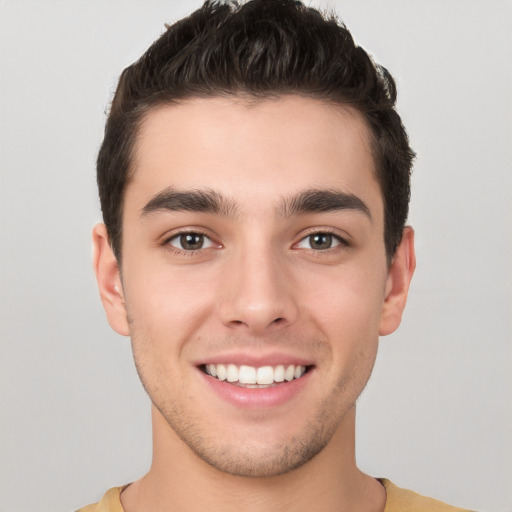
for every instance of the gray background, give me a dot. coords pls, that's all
(437, 414)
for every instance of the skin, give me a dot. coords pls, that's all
(259, 286)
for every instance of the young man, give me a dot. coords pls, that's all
(254, 183)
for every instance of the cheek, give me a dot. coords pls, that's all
(345, 302)
(166, 304)
(346, 310)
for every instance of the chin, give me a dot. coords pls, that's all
(256, 462)
(254, 454)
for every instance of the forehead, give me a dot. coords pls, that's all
(251, 149)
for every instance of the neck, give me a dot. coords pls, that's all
(179, 480)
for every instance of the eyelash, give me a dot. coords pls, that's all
(340, 242)
(185, 252)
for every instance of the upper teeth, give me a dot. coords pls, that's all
(251, 375)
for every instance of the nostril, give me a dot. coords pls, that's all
(257, 322)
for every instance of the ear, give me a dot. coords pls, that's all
(397, 284)
(109, 280)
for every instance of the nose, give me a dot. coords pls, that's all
(258, 295)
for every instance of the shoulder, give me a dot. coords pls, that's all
(403, 500)
(111, 502)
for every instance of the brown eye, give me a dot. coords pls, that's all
(190, 241)
(319, 242)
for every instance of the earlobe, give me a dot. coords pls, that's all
(397, 285)
(109, 280)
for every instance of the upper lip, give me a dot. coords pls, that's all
(256, 360)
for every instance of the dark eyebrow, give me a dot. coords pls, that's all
(319, 201)
(204, 200)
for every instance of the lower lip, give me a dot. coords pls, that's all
(256, 398)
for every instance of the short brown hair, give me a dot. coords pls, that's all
(263, 48)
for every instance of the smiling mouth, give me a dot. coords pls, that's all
(252, 377)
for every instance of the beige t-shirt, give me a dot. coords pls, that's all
(398, 500)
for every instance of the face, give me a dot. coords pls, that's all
(254, 280)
